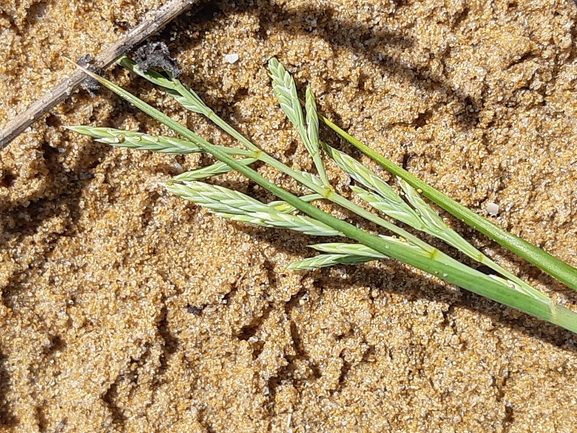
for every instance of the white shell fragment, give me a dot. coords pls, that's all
(492, 209)
(231, 58)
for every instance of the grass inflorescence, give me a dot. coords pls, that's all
(299, 213)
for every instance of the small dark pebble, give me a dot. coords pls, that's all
(194, 310)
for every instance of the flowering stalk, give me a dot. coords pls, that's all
(300, 213)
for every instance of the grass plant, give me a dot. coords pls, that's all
(299, 213)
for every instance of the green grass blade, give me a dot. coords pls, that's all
(217, 199)
(326, 260)
(284, 207)
(285, 90)
(186, 97)
(349, 249)
(313, 147)
(155, 143)
(298, 223)
(209, 171)
(401, 213)
(137, 140)
(312, 121)
(388, 200)
(237, 206)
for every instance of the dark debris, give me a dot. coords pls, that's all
(90, 84)
(155, 55)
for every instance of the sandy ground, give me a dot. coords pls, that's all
(126, 309)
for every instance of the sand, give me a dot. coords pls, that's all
(126, 309)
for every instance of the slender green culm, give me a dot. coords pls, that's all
(299, 213)
(538, 257)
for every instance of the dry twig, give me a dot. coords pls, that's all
(151, 24)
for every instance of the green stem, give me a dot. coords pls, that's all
(543, 260)
(450, 271)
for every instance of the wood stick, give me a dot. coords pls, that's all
(151, 24)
